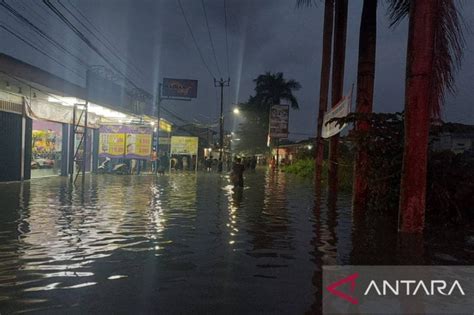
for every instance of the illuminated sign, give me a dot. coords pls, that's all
(179, 88)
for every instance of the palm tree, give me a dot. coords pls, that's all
(272, 88)
(435, 43)
(365, 96)
(323, 86)
(339, 53)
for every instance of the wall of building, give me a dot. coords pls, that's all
(15, 149)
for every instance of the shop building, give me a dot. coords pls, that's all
(43, 130)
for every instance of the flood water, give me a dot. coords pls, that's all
(186, 243)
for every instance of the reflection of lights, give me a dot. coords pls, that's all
(115, 277)
(48, 287)
(80, 285)
(232, 221)
(152, 123)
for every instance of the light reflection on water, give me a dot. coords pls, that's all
(185, 243)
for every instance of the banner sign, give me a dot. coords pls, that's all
(165, 126)
(111, 141)
(130, 142)
(179, 88)
(279, 117)
(138, 142)
(342, 109)
(184, 145)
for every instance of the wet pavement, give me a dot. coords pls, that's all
(188, 243)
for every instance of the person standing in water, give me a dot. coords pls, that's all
(237, 175)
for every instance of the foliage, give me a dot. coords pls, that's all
(448, 45)
(252, 132)
(384, 145)
(450, 195)
(270, 89)
(450, 189)
(304, 167)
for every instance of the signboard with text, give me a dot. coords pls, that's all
(138, 142)
(342, 109)
(179, 88)
(132, 142)
(184, 145)
(279, 118)
(111, 141)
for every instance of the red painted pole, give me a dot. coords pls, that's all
(340, 32)
(420, 55)
(365, 96)
(323, 89)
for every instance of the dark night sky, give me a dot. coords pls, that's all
(264, 35)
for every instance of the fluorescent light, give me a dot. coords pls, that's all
(66, 101)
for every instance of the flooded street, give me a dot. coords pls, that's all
(187, 243)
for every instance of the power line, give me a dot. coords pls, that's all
(36, 14)
(226, 40)
(210, 38)
(93, 47)
(26, 21)
(105, 42)
(86, 40)
(194, 39)
(7, 29)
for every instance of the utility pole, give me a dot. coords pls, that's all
(158, 113)
(221, 83)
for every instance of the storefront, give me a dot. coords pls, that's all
(46, 148)
(42, 121)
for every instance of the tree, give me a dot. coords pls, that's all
(365, 96)
(272, 88)
(323, 86)
(252, 133)
(339, 56)
(435, 43)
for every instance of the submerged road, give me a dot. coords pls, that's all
(186, 243)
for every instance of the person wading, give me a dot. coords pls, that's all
(237, 175)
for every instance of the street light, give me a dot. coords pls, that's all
(236, 111)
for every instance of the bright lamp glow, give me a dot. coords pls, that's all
(236, 111)
(105, 112)
(66, 101)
